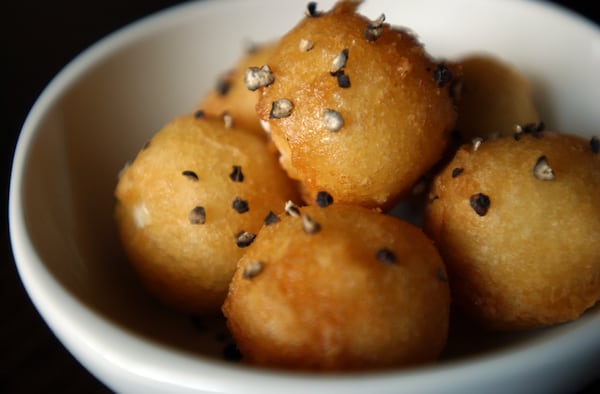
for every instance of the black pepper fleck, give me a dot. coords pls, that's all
(374, 29)
(236, 174)
(239, 205)
(343, 79)
(281, 108)
(457, 171)
(227, 120)
(305, 45)
(339, 62)
(542, 169)
(332, 120)
(480, 203)
(252, 270)
(197, 215)
(223, 86)
(292, 209)
(256, 77)
(311, 9)
(385, 255)
(244, 239)
(324, 199)
(309, 225)
(271, 219)
(595, 144)
(535, 129)
(190, 175)
(442, 75)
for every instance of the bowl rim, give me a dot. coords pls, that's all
(48, 295)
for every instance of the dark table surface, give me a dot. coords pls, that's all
(38, 39)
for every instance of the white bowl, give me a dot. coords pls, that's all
(105, 104)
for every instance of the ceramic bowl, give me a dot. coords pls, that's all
(102, 107)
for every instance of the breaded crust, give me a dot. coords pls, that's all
(517, 222)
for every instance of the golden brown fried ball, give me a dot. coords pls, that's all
(230, 95)
(356, 108)
(495, 97)
(517, 222)
(189, 204)
(339, 288)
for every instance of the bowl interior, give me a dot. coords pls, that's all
(108, 102)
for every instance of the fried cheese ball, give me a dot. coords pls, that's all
(494, 98)
(231, 96)
(340, 287)
(356, 108)
(189, 204)
(517, 221)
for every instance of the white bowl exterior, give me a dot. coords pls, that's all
(101, 108)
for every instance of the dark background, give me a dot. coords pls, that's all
(37, 39)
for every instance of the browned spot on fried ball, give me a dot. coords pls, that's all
(197, 215)
(480, 203)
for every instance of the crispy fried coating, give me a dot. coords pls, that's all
(357, 108)
(185, 202)
(495, 97)
(517, 221)
(231, 95)
(339, 287)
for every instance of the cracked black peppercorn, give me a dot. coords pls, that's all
(480, 203)
(324, 199)
(385, 255)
